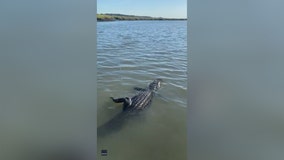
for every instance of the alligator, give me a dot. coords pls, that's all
(140, 101)
(131, 106)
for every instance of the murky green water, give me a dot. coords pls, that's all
(133, 53)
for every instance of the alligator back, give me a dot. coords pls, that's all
(137, 103)
(140, 101)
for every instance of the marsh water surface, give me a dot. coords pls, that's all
(132, 54)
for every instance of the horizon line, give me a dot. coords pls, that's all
(143, 15)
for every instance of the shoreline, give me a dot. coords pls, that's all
(143, 20)
(122, 17)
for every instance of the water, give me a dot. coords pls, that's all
(132, 54)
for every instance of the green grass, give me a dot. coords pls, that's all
(103, 17)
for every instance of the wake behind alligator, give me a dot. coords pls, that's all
(132, 106)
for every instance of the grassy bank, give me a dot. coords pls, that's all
(121, 17)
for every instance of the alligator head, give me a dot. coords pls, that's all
(155, 85)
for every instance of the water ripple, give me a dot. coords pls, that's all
(130, 55)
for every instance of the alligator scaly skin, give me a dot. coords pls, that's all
(131, 105)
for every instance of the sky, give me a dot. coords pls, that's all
(153, 8)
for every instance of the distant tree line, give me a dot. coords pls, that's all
(121, 17)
